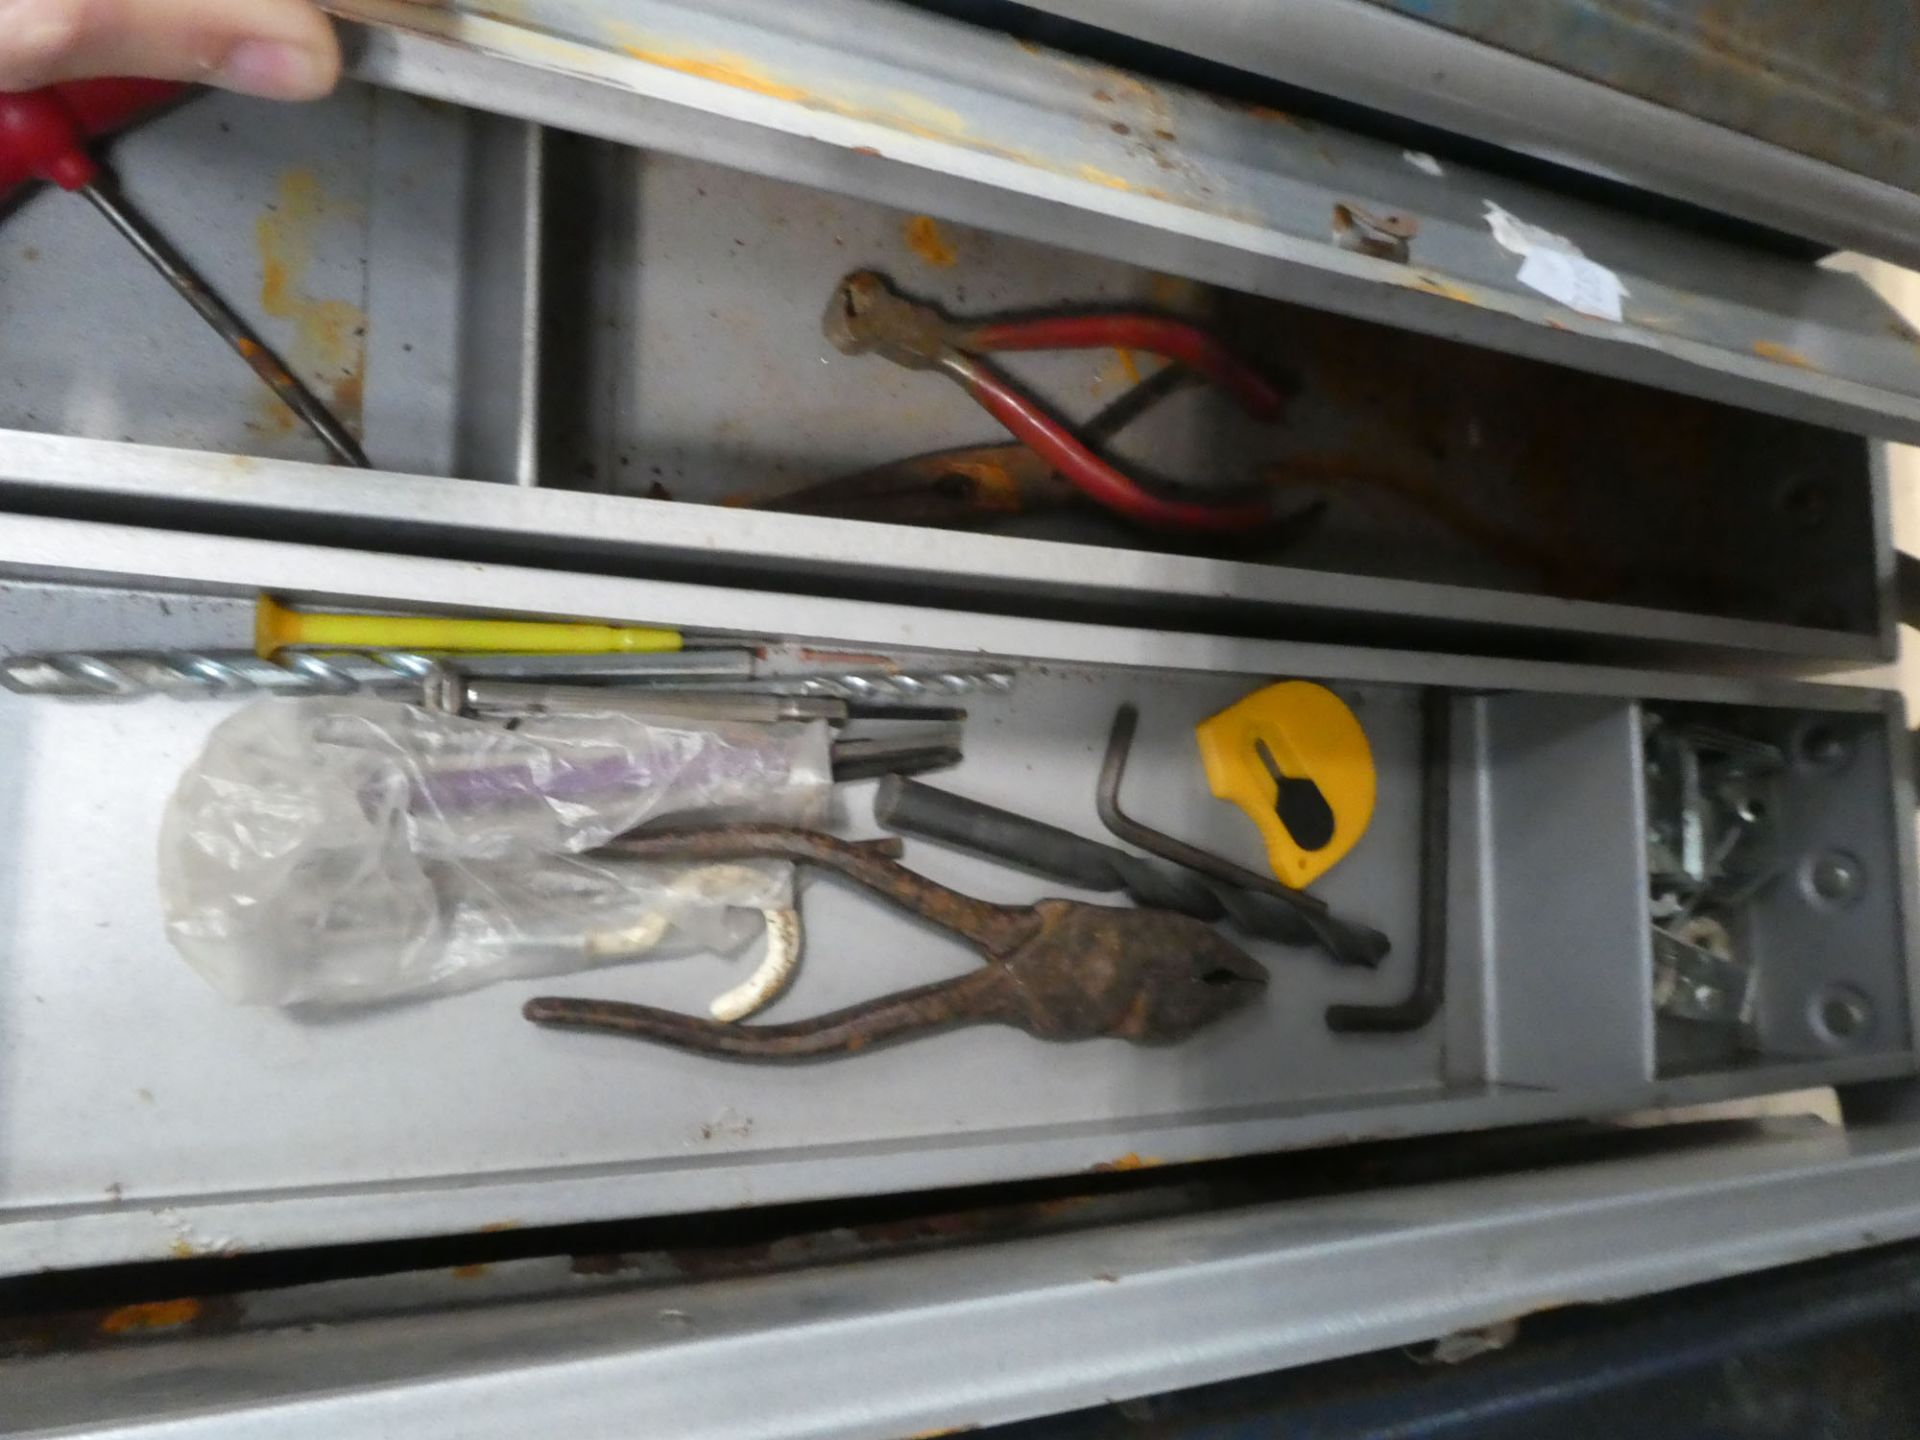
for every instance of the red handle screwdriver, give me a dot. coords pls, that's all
(43, 135)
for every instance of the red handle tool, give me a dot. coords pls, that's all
(866, 314)
(43, 136)
(43, 133)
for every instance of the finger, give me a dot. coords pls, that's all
(283, 49)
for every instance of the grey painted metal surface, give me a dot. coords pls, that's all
(126, 1140)
(740, 546)
(874, 100)
(993, 1333)
(1364, 51)
(1831, 82)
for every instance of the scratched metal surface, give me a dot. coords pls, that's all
(337, 229)
(1834, 81)
(868, 98)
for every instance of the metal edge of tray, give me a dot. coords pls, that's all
(916, 111)
(192, 489)
(991, 1333)
(82, 551)
(1368, 54)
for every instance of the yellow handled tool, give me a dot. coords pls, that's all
(1296, 760)
(277, 628)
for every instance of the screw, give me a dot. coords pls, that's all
(1835, 877)
(1823, 747)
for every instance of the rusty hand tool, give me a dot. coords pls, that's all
(1060, 970)
(1345, 941)
(43, 135)
(1428, 990)
(973, 487)
(867, 315)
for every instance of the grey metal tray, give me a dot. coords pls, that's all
(495, 301)
(144, 1117)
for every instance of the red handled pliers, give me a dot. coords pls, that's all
(867, 315)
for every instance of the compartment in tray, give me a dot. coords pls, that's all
(385, 246)
(1435, 460)
(1776, 916)
(488, 300)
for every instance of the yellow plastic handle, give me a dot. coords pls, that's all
(277, 628)
(1294, 732)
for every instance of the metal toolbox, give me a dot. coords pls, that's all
(145, 1117)
(630, 340)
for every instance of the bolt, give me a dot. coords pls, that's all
(1824, 748)
(1835, 877)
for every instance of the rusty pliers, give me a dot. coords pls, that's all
(1059, 969)
(867, 315)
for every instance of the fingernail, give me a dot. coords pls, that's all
(275, 70)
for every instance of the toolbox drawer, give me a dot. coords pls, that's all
(143, 1116)
(638, 335)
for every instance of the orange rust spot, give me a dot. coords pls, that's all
(722, 69)
(328, 334)
(494, 1227)
(1277, 117)
(151, 1315)
(1433, 285)
(249, 349)
(943, 1430)
(1553, 324)
(349, 395)
(866, 150)
(926, 240)
(1128, 1161)
(181, 1250)
(994, 487)
(469, 1272)
(1129, 366)
(1782, 354)
(1175, 292)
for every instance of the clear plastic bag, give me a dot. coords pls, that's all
(346, 850)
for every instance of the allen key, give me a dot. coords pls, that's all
(1429, 990)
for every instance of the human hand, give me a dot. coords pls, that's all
(282, 49)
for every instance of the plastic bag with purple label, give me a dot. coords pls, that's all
(346, 850)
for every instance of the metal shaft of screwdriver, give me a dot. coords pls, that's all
(231, 328)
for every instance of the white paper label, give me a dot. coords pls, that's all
(1575, 281)
(1553, 266)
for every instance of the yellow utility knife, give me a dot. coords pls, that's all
(1294, 757)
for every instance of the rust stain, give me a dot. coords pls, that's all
(182, 1250)
(1119, 182)
(151, 1315)
(994, 487)
(328, 334)
(943, 1430)
(469, 1272)
(349, 396)
(926, 240)
(1129, 365)
(1434, 285)
(1175, 292)
(867, 150)
(1126, 1162)
(1782, 354)
(494, 1227)
(1275, 116)
(723, 69)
